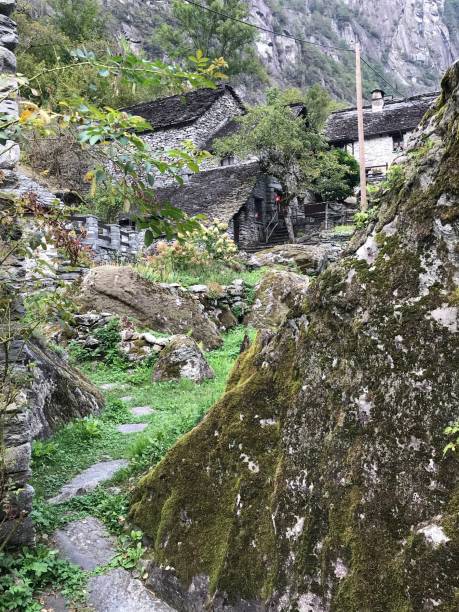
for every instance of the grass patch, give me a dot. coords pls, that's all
(343, 230)
(216, 273)
(178, 407)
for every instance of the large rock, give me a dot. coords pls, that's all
(276, 295)
(309, 258)
(161, 307)
(317, 482)
(52, 394)
(182, 358)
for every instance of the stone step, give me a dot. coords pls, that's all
(141, 410)
(128, 428)
(127, 398)
(85, 543)
(112, 386)
(118, 591)
(88, 480)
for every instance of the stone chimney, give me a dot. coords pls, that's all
(377, 100)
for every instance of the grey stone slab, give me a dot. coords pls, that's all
(118, 591)
(111, 386)
(53, 602)
(88, 480)
(127, 398)
(131, 427)
(85, 543)
(142, 410)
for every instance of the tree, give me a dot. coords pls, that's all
(292, 148)
(194, 28)
(80, 20)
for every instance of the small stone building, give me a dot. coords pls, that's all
(388, 124)
(240, 195)
(231, 190)
(196, 116)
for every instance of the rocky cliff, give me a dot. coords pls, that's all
(410, 41)
(317, 482)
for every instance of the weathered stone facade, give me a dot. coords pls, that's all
(388, 125)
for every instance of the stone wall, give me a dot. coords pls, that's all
(198, 132)
(379, 151)
(108, 242)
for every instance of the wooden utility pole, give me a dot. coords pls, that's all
(358, 84)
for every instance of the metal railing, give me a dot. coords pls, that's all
(273, 223)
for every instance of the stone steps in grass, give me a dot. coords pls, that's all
(88, 480)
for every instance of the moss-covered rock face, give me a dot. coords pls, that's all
(317, 481)
(276, 295)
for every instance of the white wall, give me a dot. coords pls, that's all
(378, 151)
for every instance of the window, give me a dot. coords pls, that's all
(397, 143)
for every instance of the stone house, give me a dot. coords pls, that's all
(241, 196)
(232, 190)
(388, 125)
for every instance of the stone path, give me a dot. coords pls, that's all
(85, 543)
(118, 591)
(112, 386)
(88, 480)
(127, 398)
(141, 410)
(131, 427)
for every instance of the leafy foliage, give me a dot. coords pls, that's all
(42, 450)
(194, 28)
(80, 20)
(453, 434)
(31, 570)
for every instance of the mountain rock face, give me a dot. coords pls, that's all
(411, 42)
(317, 482)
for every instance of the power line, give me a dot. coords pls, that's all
(274, 33)
(257, 27)
(295, 38)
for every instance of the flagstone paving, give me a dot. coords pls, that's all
(141, 410)
(128, 428)
(86, 543)
(88, 480)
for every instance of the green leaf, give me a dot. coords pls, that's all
(148, 237)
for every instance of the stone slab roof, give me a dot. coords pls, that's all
(180, 110)
(218, 193)
(228, 129)
(397, 116)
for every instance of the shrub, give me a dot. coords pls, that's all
(115, 411)
(32, 570)
(88, 428)
(109, 337)
(42, 451)
(208, 248)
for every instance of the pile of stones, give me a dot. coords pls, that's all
(136, 345)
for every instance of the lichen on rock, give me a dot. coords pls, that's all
(317, 482)
(182, 358)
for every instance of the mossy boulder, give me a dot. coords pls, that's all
(318, 482)
(158, 306)
(277, 294)
(309, 258)
(182, 358)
